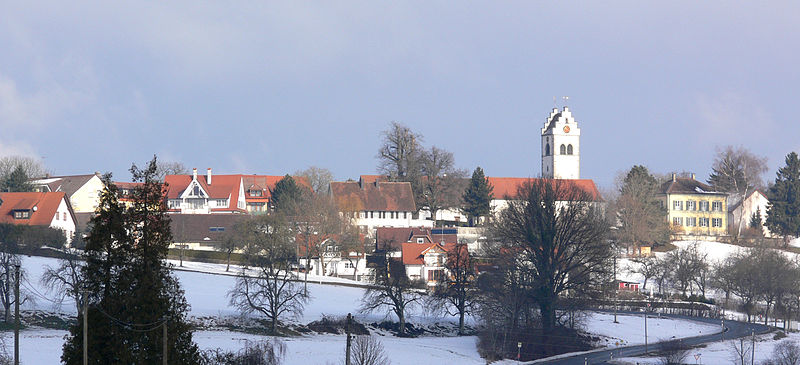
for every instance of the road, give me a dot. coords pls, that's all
(732, 330)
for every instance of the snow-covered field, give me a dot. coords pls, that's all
(722, 352)
(207, 294)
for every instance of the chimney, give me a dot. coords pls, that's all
(674, 177)
(208, 176)
(693, 176)
(194, 173)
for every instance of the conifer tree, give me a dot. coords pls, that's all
(783, 209)
(755, 220)
(16, 181)
(132, 293)
(287, 196)
(477, 196)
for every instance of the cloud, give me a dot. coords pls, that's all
(17, 149)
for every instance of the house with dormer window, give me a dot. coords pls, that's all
(39, 209)
(426, 262)
(188, 194)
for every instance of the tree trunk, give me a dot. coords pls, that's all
(461, 322)
(402, 318)
(548, 312)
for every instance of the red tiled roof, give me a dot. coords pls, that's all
(352, 196)
(507, 186)
(370, 179)
(414, 253)
(46, 207)
(392, 238)
(266, 183)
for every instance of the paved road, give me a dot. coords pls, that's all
(733, 330)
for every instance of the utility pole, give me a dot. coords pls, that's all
(347, 331)
(753, 349)
(85, 327)
(645, 331)
(16, 314)
(164, 327)
(616, 287)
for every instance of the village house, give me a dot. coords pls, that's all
(740, 212)
(694, 209)
(376, 204)
(426, 262)
(39, 209)
(83, 191)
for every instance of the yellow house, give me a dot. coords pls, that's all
(694, 208)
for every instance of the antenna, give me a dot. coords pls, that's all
(565, 98)
(554, 102)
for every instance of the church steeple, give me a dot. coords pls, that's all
(561, 139)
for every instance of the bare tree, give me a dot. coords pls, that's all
(785, 353)
(32, 167)
(559, 235)
(399, 153)
(738, 171)
(267, 352)
(441, 184)
(165, 168)
(649, 267)
(455, 291)
(368, 350)
(740, 351)
(392, 289)
(232, 240)
(673, 352)
(318, 177)
(271, 290)
(65, 280)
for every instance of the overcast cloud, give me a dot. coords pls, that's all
(273, 88)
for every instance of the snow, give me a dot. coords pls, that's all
(722, 352)
(207, 295)
(630, 329)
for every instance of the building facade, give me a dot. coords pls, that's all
(694, 208)
(561, 149)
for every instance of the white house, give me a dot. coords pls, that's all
(426, 262)
(740, 212)
(83, 191)
(209, 194)
(377, 204)
(39, 209)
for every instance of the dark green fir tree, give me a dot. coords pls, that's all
(783, 210)
(477, 196)
(132, 294)
(16, 181)
(287, 196)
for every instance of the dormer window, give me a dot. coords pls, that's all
(22, 214)
(255, 193)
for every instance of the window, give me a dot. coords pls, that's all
(434, 275)
(372, 214)
(196, 191)
(174, 204)
(65, 218)
(703, 222)
(405, 215)
(563, 149)
(569, 149)
(222, 203)
(547, 149)
(716, 206)
(22, 214)
(703, 206)
(677, 205)
(255, 192)
(691, 221)
(420, 240)
(691, 205)
(348, 265)
(216, 229)
(677, 221)
(716, 222)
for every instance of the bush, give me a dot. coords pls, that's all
(367, 350)
(268, 352)
(785, 353)
(673, 352)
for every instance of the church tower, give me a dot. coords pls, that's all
(561, 152)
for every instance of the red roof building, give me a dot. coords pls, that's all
(38, 209)
(377, 203)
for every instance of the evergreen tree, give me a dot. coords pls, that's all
(640, 217)
(132, 293)
(477, 196)
(16, 181)
(287, 196)
(783, 209)
(755, 222)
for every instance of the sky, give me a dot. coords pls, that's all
(275, 87)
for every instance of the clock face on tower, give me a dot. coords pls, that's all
(566, 129)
